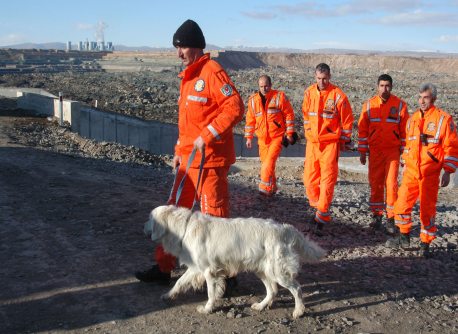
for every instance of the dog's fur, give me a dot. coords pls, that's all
(214, 248)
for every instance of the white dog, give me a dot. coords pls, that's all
(214, 248)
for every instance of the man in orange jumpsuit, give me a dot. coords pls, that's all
(209, 107)
(381, 133)
(431, 145)
(270, 116)
(328, 122)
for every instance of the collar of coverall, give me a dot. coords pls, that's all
(329, 87)
(189, 71)
(382, 100)
(430, 110)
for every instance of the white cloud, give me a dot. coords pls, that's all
(419, 17)
(259, 15)
(85, 26)
(448, 38)
(12, 38)
(316, 9)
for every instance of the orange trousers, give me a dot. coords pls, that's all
(410, 190)
(383, 175)
(320, 176)
(214, 200)
(268, 154)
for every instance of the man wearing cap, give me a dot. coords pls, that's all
(209, 107)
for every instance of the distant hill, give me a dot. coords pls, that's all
(51, 45)
(120, 47)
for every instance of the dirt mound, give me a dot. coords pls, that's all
(242, 60)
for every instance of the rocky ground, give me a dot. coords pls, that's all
(72, 213)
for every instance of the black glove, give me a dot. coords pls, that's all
(285, 142)
(295, 138)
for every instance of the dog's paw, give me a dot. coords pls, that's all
(203, 310)
(298, 312)
(257, 306)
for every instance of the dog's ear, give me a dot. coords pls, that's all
(161, 213)
(158, 221)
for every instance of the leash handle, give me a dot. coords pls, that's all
(181, 185)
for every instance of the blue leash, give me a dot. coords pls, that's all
(181, 185)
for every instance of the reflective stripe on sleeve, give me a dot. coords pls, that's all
(213, 131)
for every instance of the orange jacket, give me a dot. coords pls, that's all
(327, 115)
(269, 121)
(209, 106)
(439, 147)
(382, 124)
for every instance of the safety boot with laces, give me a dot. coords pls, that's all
(400, 240)
(424, 250)
(390, 226)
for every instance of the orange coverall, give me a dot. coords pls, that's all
(209, 106)
(270, 122)
(328, 121)
(381, 132)
(424, 160)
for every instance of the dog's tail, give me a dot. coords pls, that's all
(308, 250)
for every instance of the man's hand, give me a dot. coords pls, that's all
(199, 144)
(176, 162)
(249, 143)
(445, 179)
(291, 140)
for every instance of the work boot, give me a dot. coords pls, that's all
(424, 250)
(390, 226)
(153, 275)
(400, 240)
(318, 228)
(264, 194)
(376, 223)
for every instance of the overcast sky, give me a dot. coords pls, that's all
(390, 25)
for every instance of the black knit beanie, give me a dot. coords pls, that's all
(189, 35)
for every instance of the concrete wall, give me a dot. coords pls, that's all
(155, 137)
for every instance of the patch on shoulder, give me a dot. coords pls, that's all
(199, 85)
(226, 90)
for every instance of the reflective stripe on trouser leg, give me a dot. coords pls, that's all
(312, 173)
(407, 196)
(322, 217)
(269, 154)
(214, 194)
(429, 187)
